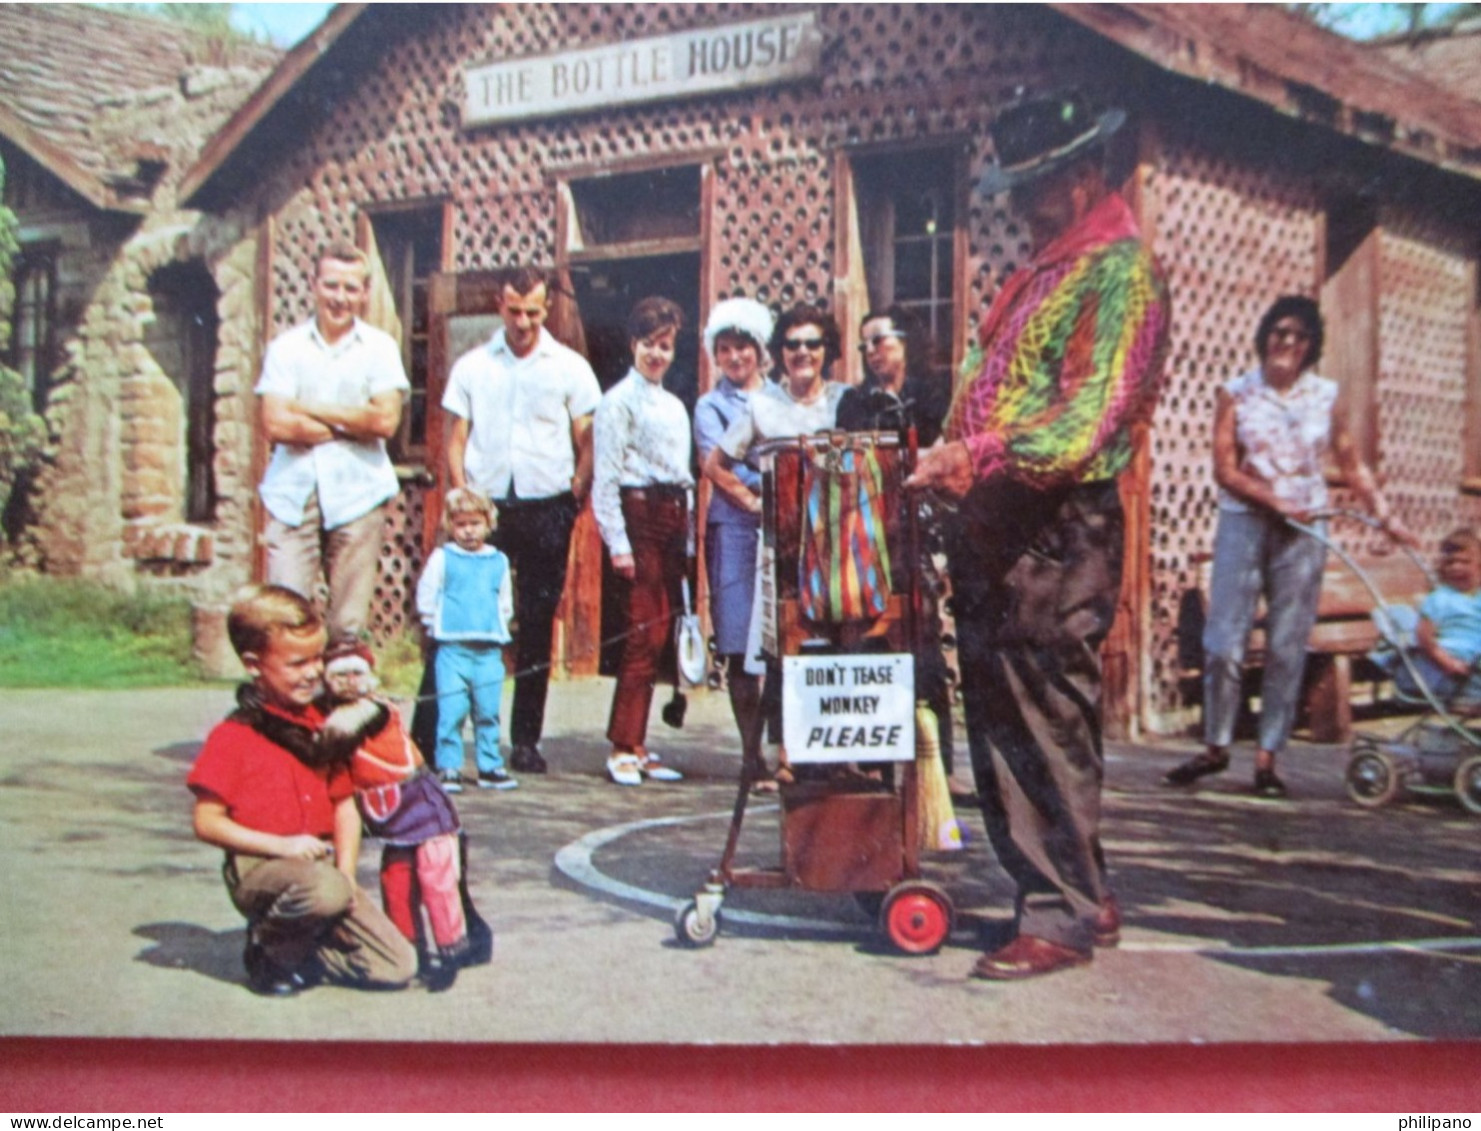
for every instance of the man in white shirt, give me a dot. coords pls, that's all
(330, 396)
(520, 410)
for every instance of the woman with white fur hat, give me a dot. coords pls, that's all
(736, 337)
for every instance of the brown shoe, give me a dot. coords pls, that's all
(1028, 957)
(1107, 928)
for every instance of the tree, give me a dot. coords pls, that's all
(212, 20)
(1374, 21)
(22, 431)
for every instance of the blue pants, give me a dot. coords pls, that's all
(469, 675)
(1257, 553)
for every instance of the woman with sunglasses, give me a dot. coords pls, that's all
(892, 398)
(1274, 427)
(805, 343)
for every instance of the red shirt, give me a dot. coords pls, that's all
(264, 787)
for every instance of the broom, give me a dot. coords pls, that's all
(936, 822)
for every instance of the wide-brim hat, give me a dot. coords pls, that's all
(1036, 136)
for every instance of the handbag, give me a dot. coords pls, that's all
(689, 644)
(845, 559)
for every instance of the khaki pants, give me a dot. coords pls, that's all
(302, 909)
(349, 556)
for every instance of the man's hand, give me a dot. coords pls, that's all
(624, 565)
(303, 847)
(581, 488)
(944, 467)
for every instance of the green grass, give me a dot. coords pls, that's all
(57, 632)
(398, 665)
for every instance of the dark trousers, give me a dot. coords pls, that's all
(1035, 581)
(535, 535)
(656, 527)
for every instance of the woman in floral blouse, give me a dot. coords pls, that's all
(1274, 427)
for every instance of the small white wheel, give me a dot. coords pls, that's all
(1372, 779)
(692, 930)
(1468, 783)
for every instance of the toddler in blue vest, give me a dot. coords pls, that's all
(465, 602)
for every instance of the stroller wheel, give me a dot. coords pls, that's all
(1373, 779)
(1468, 783)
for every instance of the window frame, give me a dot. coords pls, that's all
(34, 261)
(851, 169)
(374, 225)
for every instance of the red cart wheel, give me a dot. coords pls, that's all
(917, 917)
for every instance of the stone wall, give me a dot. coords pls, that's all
(109, 500)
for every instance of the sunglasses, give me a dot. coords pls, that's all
(802, 344)
(878, 340)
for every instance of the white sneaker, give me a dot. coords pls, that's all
(625, 769)
(652, 767)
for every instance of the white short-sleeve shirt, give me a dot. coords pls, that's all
(774, 414)
(520, 411)
(1283, 437)
(352, 477)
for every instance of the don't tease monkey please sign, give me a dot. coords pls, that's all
(855, 708)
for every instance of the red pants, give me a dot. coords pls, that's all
(428, 875)
(657, 526)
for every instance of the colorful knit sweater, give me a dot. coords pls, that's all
(1070, 355)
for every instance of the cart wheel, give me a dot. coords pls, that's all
(693, 931)
(1373, 779)
(1468, 783)
(917, 917)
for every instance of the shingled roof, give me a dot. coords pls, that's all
(1450, 57)
(111, 102)
(1269, 54)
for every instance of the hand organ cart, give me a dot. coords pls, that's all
(840, 610)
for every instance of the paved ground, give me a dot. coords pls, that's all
(1247, 920)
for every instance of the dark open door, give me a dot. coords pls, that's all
(464, 312)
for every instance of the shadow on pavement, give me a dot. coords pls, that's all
(184, 946)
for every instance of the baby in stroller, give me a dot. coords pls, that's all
(1444, 638)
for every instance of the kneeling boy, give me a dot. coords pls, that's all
(289, 827)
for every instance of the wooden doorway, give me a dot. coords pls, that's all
(606, 292)
(463, 310)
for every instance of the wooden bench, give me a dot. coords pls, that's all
(1344, 633)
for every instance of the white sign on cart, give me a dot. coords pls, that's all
(849, 708)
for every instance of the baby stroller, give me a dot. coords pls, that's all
(1441, 750)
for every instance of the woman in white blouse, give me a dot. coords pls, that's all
(640, 493)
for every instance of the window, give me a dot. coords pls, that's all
(648, 207)
(33, 324)
(182, 340)
(409, 242)
(907, 229)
